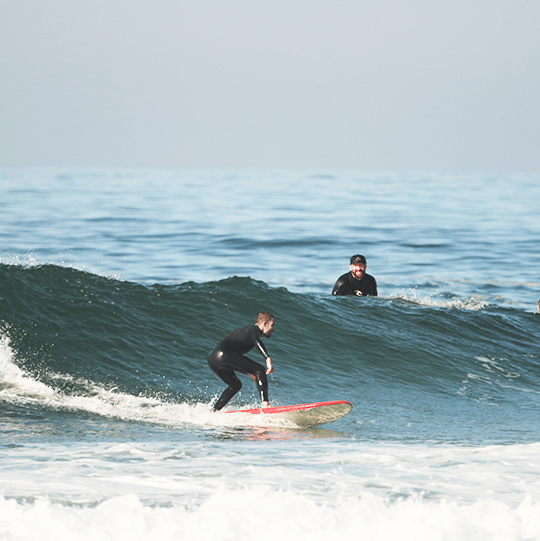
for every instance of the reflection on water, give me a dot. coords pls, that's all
(276, 434)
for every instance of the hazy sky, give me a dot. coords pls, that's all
(305, 84)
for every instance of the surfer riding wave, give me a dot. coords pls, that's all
(229, 357)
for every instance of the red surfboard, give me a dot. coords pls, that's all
(303, 415)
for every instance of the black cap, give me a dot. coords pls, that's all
(358, 260)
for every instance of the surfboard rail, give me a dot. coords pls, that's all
(303, 415)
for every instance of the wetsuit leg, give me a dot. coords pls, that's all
(234, 385)
(225, 364)
(261, 381)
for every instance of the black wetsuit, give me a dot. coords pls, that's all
(349, 285)
(228, 357)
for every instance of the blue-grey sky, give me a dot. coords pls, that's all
(304, 84)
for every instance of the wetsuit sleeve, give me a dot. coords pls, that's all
(341, 286)
(373, 287)
(259, 343)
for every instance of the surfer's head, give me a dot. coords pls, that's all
(265, 322)
(358, 266)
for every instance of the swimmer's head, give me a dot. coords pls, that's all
(358, 266)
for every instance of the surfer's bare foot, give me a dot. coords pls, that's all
(266, 404)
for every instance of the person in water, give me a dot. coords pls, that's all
(229, 357)
(357, 281)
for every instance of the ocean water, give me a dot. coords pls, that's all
(116, 284)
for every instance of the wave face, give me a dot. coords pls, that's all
(413, 369)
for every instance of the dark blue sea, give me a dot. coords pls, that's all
(116, 284)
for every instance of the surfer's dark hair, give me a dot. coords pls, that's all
(264, 317)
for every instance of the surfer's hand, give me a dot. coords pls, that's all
(269, 367)
(358, 293)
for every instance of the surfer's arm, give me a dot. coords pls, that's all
(261, 347)
(342, 286)
(337, 289)
(371, 286)
(264, 353)
(269, 368)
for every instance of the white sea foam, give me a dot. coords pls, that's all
(14, 381)
(474, 303)
(16, 386)
(199, 492)
(269, 515)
